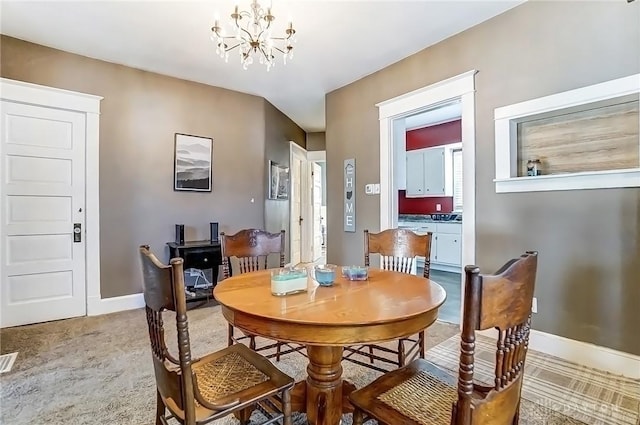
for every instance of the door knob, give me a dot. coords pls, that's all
(77, 232)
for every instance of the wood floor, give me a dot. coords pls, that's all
(450, 311)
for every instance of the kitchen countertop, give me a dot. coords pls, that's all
(429, 218)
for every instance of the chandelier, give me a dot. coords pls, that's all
(253, 37)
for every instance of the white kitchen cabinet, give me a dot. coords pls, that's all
(448, 249)
(425, 172)
(434, 172)
(446, 243)
(415, 173)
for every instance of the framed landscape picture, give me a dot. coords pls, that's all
(193, 156)
(278, 181)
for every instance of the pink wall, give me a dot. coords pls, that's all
(436, 135)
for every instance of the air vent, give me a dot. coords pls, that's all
(6, 361)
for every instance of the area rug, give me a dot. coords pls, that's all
(98, 370)
(588, 395)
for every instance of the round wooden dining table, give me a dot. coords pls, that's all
(387, 306)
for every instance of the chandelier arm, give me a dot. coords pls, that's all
(278, 49)
(231, 48)
(260, 34)
(248, 33)
(265, 54)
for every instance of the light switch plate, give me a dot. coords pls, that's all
(372, 189)
(368, 189)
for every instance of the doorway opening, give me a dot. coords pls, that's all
(307, 235)
(397, 165)
(317, 161)
(429, 190)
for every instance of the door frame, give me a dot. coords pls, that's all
(461, 87)
(38, 95)
(316, 156)
(306, 208)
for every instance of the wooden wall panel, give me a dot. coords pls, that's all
(603, 138)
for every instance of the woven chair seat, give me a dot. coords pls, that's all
(424, 398)
(422, 393)
(226, 375)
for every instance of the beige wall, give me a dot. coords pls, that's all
(140, 113)
(316, 141)
(279, 131)
(588, 283)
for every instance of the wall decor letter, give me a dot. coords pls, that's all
(350, 195)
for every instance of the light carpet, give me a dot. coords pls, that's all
(589, 395)
(98, 370)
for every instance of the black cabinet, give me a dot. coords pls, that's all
(199, 255)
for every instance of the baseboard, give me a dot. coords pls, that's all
(97, 306)
(591, 355)
(445, 268)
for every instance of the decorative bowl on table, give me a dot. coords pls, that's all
(325, 274)
(355, 272)
(288, 280)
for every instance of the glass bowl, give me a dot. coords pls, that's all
(325, 274)
(286, 281)
(355, 272)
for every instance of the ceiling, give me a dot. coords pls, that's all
(338, 42)
(437, 115)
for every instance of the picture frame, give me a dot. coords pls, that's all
(278, 181)
(192, 163)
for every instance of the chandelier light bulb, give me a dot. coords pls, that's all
(254, 35)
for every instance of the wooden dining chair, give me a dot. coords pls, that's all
(423, 393)
(250, 250)
(398, 249)
(197, 391)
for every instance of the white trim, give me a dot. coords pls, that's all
(580, 96)
(35, 94)
(22, 92)
(97, 306)
(92, 205)
(573, 181)
(459, 87)
(506, 120)
(432, 94)
(445, 267)
(317, 156)
(582, 353)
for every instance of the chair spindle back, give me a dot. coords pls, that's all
(251, 248)
(164, 290)
(502, 301)
(398, 249)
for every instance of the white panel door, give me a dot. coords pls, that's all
(317, 211)
(296, 211)
(42, 163)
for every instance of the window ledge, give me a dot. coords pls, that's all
(570, 181)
